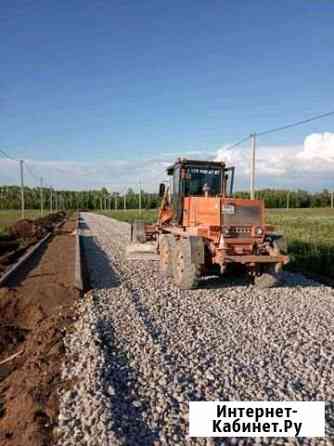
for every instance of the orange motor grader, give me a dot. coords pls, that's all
(202, 229)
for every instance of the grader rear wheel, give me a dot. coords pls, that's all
(186, 274)
(166, 250)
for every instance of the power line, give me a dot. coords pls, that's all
(7, 156)
(31, 172)
(238, 143)
(3, 156)
(295, 124)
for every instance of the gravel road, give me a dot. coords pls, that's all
(141, 348)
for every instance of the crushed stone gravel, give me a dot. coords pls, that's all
(141, 348)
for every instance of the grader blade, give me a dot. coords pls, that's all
(142, 251)
(142, 246)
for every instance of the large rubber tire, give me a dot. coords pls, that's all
(167, 245)
(186, 274)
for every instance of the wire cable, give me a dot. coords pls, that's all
(7, 156)
(295, 124)
(31, 172)
(238, 143)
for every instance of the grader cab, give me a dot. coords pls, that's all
(202, 228)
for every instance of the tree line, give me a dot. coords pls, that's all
(282, 198)
(10, 198)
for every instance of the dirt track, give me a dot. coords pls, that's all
(34, 309)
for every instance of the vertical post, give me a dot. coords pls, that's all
(124, 202)
(101, 207)
(140, 197)
(56, 201)
(41, 195)
(51, 204)
(288, 200)
(22, 189)
(252, 173)
(116, 204)
(332, 199)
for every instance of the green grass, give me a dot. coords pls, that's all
(8, 217)
(310, 234)
(148, 215)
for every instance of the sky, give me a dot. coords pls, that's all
(107, 93)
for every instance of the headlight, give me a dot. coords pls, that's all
(226, 230)
(259, 231)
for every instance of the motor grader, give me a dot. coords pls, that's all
(202, 229)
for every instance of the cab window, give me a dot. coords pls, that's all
(199, 180)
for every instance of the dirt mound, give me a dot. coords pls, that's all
(25, 229)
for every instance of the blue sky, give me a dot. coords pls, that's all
(100, 81)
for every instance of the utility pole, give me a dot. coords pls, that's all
(56, 201)
(116, 204)
(140, 197)
(124, 200)
(252, 173)
(22, 189)
(51, 204)
(288, 200)
(41, 194)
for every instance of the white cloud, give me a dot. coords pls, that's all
(116, 175)
(318, 146)
(309, 166)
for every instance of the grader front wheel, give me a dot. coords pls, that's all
(186, 273)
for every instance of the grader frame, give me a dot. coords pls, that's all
(202, 228)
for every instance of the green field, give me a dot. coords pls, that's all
(149, 216)
(8, 217)
(310, 234)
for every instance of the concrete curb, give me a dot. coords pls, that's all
(78, 282)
